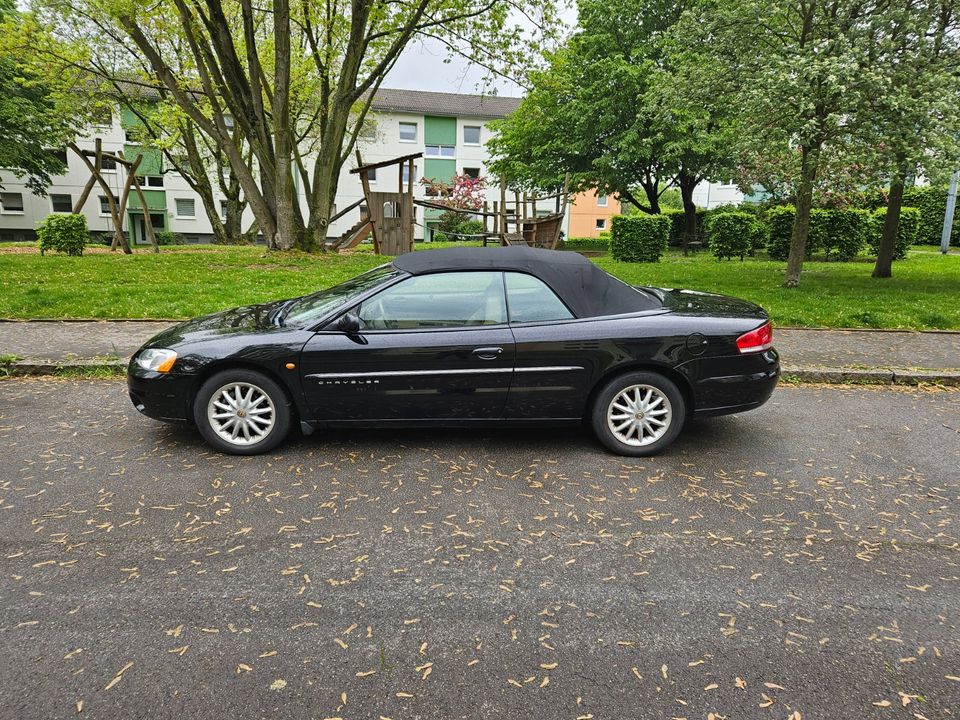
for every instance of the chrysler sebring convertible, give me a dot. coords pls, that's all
(481, 337)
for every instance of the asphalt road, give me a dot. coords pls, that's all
(799, 561)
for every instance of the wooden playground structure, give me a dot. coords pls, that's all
(390, 217)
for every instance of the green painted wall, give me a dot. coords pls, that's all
(439, 130)
(440, 170)
(156, 200)
(152, 163)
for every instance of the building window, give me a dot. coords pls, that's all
(61, 203)
(471, 134)
(102, 117)
(223, 210)
(61, 155)
(408, 132)
(105, 206)
(107, 163)
(472, 173)
(447, 151)
(155, 181)
(185, 208)
(130, 136)
(405, 177)
(601, 200)
(11, 202)
(372, 175)
(601, 223)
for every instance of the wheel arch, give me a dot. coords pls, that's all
(678, 378)
(217, 366)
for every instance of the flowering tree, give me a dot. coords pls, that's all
(461, 193)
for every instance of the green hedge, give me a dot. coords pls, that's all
(676, 225)
(63, 233)
(932, 203)
(780, 226)
(910, 223)
(588, 243)
(734, 234)
(837, 234)
(639, 238)
(847, 232)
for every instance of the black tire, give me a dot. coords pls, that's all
(243, 379)
(672, 400)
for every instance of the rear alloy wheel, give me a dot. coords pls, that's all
(639, 413)
(241, 412)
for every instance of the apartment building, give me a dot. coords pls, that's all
(590, 214)
(450, 129)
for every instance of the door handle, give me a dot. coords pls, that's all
(488, 353)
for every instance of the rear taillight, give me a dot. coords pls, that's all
(756, 340)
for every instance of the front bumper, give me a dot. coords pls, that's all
(162, 396)
(733, 384)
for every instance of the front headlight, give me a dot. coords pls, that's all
(157, 359)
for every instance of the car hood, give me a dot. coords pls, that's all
(693, 302)
(235, 321)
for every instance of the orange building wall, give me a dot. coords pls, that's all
(584, 213)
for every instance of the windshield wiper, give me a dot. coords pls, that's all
(279, 314)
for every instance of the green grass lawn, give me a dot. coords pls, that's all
(186, 281)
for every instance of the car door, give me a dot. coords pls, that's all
(553, 359)
(434, 346)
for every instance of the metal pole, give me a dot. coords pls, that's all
(948, 215)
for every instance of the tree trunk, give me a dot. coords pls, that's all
(891, 224)
(651, 189)
(687, 185)
(810, 157)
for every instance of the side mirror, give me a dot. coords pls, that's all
(349, 323)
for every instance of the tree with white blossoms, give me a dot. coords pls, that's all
(804, 70)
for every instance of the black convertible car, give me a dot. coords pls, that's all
(472, 336)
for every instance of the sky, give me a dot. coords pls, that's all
(421, 67)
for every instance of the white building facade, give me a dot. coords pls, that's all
(450, 130)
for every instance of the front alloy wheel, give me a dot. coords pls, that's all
(638, 413)
(242, 412)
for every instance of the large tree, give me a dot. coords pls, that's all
(296, 79)
(804, 68)
(913, 115)
(36, 115)
(610, 110)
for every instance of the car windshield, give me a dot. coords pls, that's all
(311, 308)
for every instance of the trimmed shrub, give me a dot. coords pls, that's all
(731, 234)
(931, 201)
(639, 238)
(910, 221)
(676, 225)
(587, 243)
(819, 232)
(63, 233)
(847, 233)
(168, 237)
(780, 225)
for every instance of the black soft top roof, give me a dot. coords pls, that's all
(586, 289)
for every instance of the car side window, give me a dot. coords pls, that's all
(439, 300)
(531, 300)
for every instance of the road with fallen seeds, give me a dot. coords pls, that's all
(800, 561)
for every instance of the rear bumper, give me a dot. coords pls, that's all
(162, 396)
(733, 384)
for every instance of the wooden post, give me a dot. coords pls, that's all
(503, 211)
(413, 210)
(365, 183)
